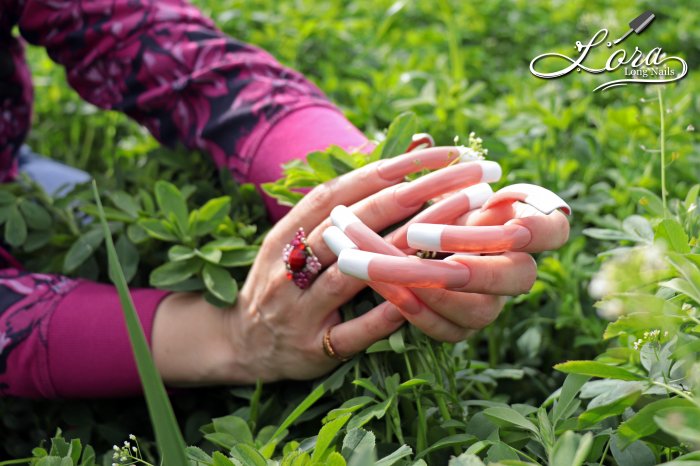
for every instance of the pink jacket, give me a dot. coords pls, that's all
(167, 66)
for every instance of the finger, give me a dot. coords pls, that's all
(547, 232)
(396, 203)
(401, 297)
(355, 335)
(507, 274)
(476, 239)
(445, 211)
(355, 185)
(466, 310)
(359, 333)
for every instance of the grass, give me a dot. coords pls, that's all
(459, 67)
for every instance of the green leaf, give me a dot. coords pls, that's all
(399, 135)
(220, 283)
(649, 200)
(209, 254)
(37, 240)
(390, 459)
(171, 273)
(220, 460)
(198, 456)
(571, 449)
(511, 417)
(358, 447)
(126, 203)
(210, 215)
(396, 341)
(85, 246)
(172, 203)
(334, 379)
(136, 233)
(376, 411)
(7, 197)
(322, 166)
(168, 436)
(597, 369)
(247, 455)
(642, 423)
(682, 423)
(128, 257)
(240, 257)
(466, 459)
(449, 441)
(180, 253)
(571, 387)
(158, 229)
(326, 436)
(636, 454)
(673, 234)
(335, 459)
(36, 216)
(234, 426)
(623, 400)
(226, 244)
(15, 228)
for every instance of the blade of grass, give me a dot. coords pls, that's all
(168, 436)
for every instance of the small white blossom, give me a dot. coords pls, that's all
(690, 128)
(132, 437)
(611, 309)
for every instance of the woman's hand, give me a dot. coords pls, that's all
(275, 330)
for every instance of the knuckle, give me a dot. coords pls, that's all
(489, 310)
(335, 283)
(321, 197)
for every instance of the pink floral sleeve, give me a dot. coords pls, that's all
(167, 66)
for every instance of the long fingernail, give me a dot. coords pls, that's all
(446, 210)
(430, 159)
(452, 238)
(446, 180)
(406, 271)
(336, 240)
(399, 296)
(538, 197)
(361, 234)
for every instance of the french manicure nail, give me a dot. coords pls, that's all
(453, 238)
(405, 271)
(336, 240)
(538, 197)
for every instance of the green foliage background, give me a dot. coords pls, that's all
(461, 67)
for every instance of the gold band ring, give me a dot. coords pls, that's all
(328, 347)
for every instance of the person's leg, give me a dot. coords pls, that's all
(56, 178)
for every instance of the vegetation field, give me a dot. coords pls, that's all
(597, 365)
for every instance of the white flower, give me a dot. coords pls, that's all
(611, 309)
(132, 437)
(690, 128)
(600, 286)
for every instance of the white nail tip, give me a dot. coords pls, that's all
(490, 171)
(478, 194)
(538, 197)
(336, 240)
(341, 217)
(355, 263)
(425, 236)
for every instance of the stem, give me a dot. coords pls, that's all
(605, 452)
(680, 393)
(421, 438)
(662, 144)
(19, 461)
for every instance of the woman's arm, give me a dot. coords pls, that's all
(167, 66)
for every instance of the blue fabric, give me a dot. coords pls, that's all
(56, 178)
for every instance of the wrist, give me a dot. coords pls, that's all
(191, 342)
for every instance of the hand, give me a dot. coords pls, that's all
(275, 330)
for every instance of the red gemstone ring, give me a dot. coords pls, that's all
(302, 266)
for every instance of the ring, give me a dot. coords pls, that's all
(301, 263)
(328, 347)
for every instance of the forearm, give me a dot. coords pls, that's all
(191, 344)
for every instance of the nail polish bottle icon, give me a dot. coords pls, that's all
(638, 24)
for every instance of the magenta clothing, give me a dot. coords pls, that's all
(167, 66)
